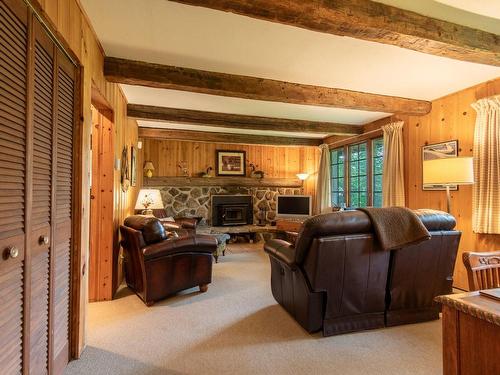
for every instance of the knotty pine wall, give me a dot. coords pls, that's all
(74, 29)
(452, 117)
(275, 161)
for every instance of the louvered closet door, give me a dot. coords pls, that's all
(41, 217)
(63, 208)
(13, 89)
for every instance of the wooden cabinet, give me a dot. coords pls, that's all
(289, 225)
(471, 333)
(37, 117)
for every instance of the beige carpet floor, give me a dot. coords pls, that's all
(237, 328)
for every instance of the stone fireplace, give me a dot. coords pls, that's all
(196, 200)
(230, 210)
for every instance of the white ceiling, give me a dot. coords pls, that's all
(169, 33)
(488, 8)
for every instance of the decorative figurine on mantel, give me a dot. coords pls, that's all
(207, 172)
(254, 173)
(184, 168)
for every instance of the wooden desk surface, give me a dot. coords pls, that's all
(471, 332)
(473, 304)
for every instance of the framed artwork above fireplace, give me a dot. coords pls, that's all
(230, 163)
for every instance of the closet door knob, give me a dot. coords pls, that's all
(13, 251)
(43, 240)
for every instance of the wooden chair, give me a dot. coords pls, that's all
(483, 269)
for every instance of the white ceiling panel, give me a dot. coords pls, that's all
(169, 125)
(213, 103)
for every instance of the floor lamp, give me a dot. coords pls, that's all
(448, 172)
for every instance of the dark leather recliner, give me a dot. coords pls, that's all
(157, 266)
(338, 279)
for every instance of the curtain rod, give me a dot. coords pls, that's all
(355, 136)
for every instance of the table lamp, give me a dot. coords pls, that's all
(448, 172)
(148, 169)
(149, 200)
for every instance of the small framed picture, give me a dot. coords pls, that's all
(133, 166)
(230, 163)
(441, 150)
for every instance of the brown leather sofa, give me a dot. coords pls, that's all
(338, 279)
(157, 266)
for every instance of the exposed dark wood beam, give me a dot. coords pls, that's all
(226, 120)
(369, 20)
(212, 137)
(222, 84)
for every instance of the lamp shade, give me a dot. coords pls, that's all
(302, 176)
(149, 199)
(448, 171)
(149, 166)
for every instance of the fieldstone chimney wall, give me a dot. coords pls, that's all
(196, 201)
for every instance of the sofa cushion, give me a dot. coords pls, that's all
(151, 228)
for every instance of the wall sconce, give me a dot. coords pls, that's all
(118, 164)
(302, 176)
(139, 145)
(148, 169)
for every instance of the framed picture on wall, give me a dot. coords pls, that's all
(230, 163)
(441, 150)
(133, 166)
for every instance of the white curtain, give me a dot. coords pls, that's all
(393, 184)
(323, 183)
(486, 188)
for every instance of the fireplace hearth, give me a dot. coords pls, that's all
(229, 210)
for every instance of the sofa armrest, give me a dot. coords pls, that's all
(187, 222)
(192, 244)
(281, 250)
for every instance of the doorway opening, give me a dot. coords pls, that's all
(102, 273)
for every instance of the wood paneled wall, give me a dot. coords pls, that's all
(75, 31)
(452, 117)
(275, 161)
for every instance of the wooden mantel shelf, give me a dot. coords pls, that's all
(222, 181)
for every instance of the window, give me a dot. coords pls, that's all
(337, 161)
(377, 168)
(356, 174)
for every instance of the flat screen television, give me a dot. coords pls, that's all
(293, 206)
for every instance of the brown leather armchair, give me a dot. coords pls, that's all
(157, 266)
(338, 279)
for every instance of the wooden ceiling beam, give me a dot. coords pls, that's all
(369, 20)
(238, 86)
(213, 137)
(232, 121)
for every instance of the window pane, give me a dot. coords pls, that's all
(377, 183)
(337, 182)
(377, 171)
(353, 150)
(363, 200)
(354, 168)
(363, 184)
(378, 165)
(362, 168)
(362, 151)
(354, 200)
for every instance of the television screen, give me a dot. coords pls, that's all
(293, 205)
